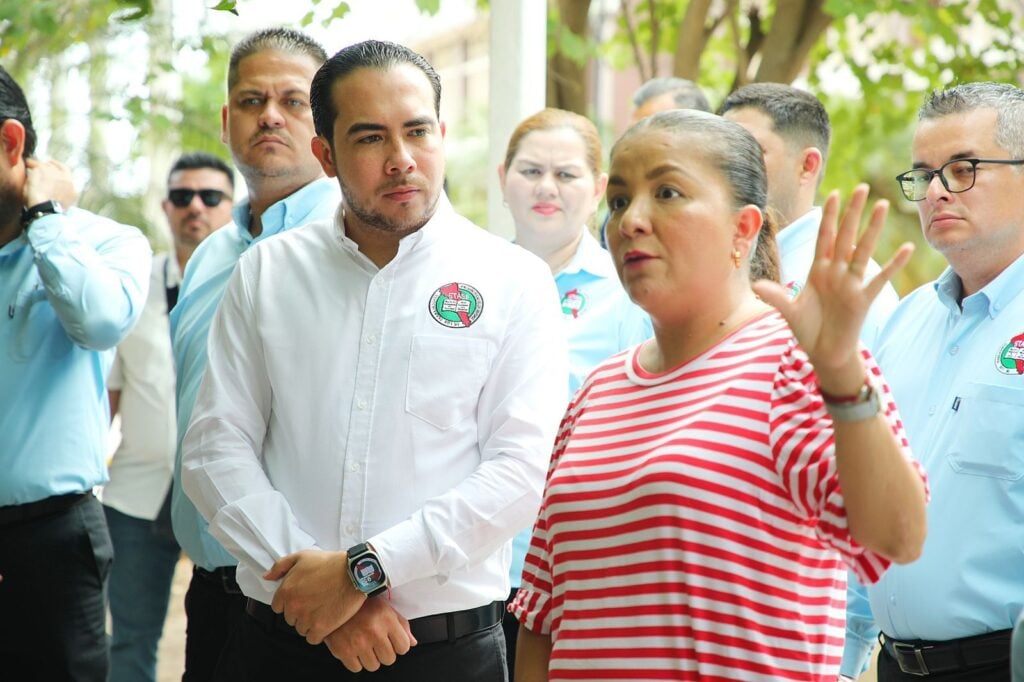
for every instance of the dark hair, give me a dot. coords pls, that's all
(369, 54)
(14, 106)
(738, 156)
(197, 160)
(1007, 100)
(797, 116)
(684, 92)
(285, 40)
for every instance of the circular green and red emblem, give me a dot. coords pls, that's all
(573, 302)
(456, 305)
(794, 288)
(1011, 358)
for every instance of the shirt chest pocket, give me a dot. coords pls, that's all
(446, 375)
(989, 432)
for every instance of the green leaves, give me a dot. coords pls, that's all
(226, 6)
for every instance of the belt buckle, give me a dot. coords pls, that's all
(902, 649)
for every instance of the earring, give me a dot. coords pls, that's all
(737, 258)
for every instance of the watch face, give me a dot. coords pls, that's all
(367, 573)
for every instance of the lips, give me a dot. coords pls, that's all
(545, 209)
(636, 257)
(943, 219)
(402, 194)
(269, 140)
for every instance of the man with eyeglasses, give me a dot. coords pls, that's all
(268, 126)
(140, 385)
(953, 353)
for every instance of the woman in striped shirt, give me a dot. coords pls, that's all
(708, 488)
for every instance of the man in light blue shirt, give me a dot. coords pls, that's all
(793, 128)
(268, 125)
(72, 285)
(953, 353)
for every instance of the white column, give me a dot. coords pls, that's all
(518, 67)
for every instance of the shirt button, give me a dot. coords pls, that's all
(361, 404)
(350, 529)
(354, 466)
(931, 409)
(954, 350)
(371, 339)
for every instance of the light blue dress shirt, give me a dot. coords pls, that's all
(206, 278)
(958, 378)
(72, 288)
(600, 321)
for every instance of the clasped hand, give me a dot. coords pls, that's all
(319, 600)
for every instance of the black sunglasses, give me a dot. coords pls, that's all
(183, 197)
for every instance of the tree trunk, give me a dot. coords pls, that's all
(795, 29)
(567, 79)
(692, 40)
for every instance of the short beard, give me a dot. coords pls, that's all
(381, 222)
(11, 205)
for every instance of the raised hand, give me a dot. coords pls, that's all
(48, 180)
(826, 317)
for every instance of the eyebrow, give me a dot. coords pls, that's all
(959, 155)
(663, 169)
(357, 128)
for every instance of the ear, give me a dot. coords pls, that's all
(501, 175)
(321, 149)
(12, 140)
(600, 185)
(812, 166)
(224, 124)
(748, 224)
(444, 129)
(167, 206)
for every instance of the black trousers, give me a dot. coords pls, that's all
(889, 671)
(510, 625)
(214, 608)
(53, 596)
(257, 653)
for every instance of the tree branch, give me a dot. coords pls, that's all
(627, 18)
(691, 41)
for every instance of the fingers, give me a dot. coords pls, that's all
(869, 240)
(826, 231)
(775, 295)
(280, 567)
(849, 225)
(889, 270)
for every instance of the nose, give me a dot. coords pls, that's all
(546, 186)
(400, 160)
(635, 219)
(937, 190)
(271, 116)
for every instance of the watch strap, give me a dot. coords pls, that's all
(45, 208)
(865, 405)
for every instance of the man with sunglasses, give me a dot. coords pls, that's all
(953, 353)
(268, 126)
(136, 501)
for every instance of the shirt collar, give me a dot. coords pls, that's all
(995, 296)
(430, 232)
(800, 231)
(285, 214)
(590, 258)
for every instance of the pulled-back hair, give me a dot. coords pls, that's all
(371, 54)
(286, 40)
(1007, 100)
(737, 155)
(199, 160)
(14, 106)
(551, 118)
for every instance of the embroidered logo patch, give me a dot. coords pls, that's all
(794, 288)
(1011, 358)
(456, 305)
(573, 303)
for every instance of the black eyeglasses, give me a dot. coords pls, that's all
(183, 197)
(956, 176)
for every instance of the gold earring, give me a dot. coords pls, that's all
(737, 258)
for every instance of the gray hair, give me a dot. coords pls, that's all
(285, 40)
(1006, 100)
(738, 156)
(685, 93)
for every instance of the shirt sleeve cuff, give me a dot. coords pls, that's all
(856, 655)
(404, 553)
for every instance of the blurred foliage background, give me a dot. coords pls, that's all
(120, 87)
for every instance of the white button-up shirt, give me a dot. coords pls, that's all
(413, 406)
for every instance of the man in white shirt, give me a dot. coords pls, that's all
(793, 128)
(381, 398)
(136, 501)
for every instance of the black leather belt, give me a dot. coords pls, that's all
(223, 576)
(923, 658)
(442, 627)
(30, 511)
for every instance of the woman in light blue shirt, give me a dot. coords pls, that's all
(552, 183)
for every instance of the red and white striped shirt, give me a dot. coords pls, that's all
(692, 526)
